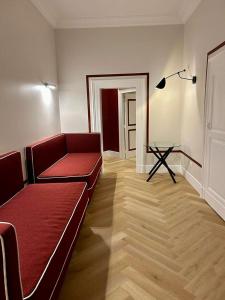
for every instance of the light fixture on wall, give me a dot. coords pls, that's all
(162, 83)
(49, 85)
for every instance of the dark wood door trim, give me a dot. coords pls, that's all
(120, 75)
(216, 48)
(191, 158)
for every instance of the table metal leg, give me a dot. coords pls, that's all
(161, 161)
(168, 168)
(172, 174)
(157, 163)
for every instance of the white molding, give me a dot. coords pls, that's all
(216, 202)
(110, 153)
(192, 180)
(140, 169)
(125, 91)
(118, 21)
(49, 16)
(131, 154)
(187, 9)
(181, 17)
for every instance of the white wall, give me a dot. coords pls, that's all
(27, 57)
(156, 49)
(203, 32)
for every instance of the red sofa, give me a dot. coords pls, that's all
(39, 225)
(66, 158)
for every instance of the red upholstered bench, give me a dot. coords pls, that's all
(39, 225)
(66, 158)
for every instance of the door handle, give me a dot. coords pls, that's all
(209, 125)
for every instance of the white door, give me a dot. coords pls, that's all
(130, 124)
(214, 158)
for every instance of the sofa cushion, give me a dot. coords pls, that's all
(11, 177)
(46, 218)
(74, 167)
(43, 154)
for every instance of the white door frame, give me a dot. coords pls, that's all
(214, 200)
(137, 82)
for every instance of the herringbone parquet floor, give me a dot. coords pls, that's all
(147, 241)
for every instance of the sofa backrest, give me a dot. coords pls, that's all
(43, 154)
(83, 142)
(11, 175)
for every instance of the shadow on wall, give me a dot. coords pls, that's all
(87, 274)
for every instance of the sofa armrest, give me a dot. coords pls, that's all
(10, 283)
(11, 175)
(83, 142)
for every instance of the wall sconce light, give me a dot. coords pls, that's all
(162, 83)
(49, 85)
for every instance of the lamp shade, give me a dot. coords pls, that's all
(161, 84)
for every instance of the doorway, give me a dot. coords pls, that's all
(110, 122)
(118, 114)
(139, 82)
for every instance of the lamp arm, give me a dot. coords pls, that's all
(184, 77)
(177, 73)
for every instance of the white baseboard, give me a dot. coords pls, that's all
(177, 169)
(110, 153)
(192, 180)
(131, 154)
(216, 202)
(140, 168)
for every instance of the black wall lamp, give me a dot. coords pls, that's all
(162, 83)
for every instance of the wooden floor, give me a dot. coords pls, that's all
(147, 241)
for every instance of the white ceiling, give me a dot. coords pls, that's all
(114, 13)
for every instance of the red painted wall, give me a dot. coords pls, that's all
(110, 119)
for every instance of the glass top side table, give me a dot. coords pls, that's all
(161, 150)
